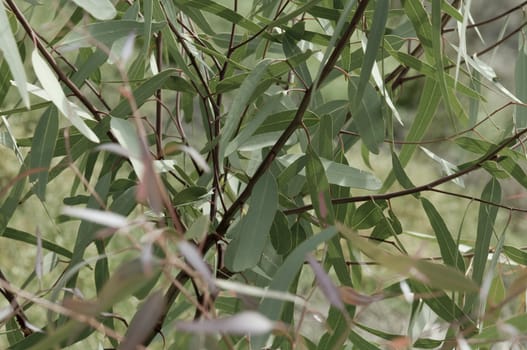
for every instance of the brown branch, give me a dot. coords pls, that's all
(426, 187)
(221, 229)
(20, 317)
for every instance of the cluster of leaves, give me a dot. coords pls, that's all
(206, 139)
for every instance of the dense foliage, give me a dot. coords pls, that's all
(235, 174)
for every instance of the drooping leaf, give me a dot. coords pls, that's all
(319, 188)
(100, 9)
(12, 55)
(243, 323)
(337, 173)
(486, 219)
(52, 87)
(245, 250)
(367, 114)
(431, 274)
(43, 147)
(449, 250)
(239, 104)
(104, 33)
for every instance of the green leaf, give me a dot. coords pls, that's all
(245, 250)
(100, 9)
(474, 145)
(514, 170)
(11, 203)
(279, 121)
(239, 104)
(43, 147)
(319, 188)
(337, 173)
(449, 251)
(286, 273)
(12, 55)
(189, 195)
(400, 174)
(221, 11)
(501, 331)
(520, 78)
(367, 115)
(375, 38)
(147, 26)
(87, 229)
(421, 22)
(440, 303)
(26, 237)
(281, 235)
(143, 93)
(104, 33)
(368, 214)
(486, 219)
(52, 87)
(516, 255)
(432, 274)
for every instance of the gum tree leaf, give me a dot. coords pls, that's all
(319, 188)
(43, 147)
(247, 246)
(486, 219)
(367, 114)
(103, 33)
(12, 55)
(447, 245)
(51, 85)
(100, 9)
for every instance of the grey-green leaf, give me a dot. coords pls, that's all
(246, 248)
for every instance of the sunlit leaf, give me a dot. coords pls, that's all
(51, 85)
(100, 9)
(244, 323)
(12, 55)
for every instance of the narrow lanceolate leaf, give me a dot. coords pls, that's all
(243, 323)
(520, 112)
(42, 148)
(239, 104)
(9, 49)
(142, 93)
(367, 114)
(319, 188)
(288, 270)
(502, 331)
(514, 169)
(374, 41)
(400, 174)
(100, 9)
(126, 135)
(337, 173)
(516, 255)
(449, 252)
(421, 22)
(452, 103)
(431, 274)
(144, 321)
(104, 33)
(486, 218)
(103, 218)
(51, 85)
(246, 248)
(221, 11)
